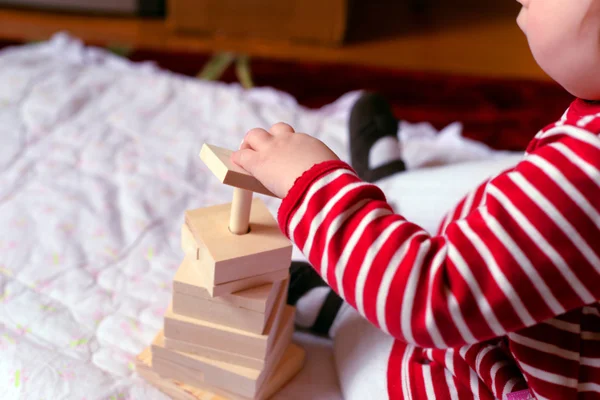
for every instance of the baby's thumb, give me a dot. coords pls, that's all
(246, 158)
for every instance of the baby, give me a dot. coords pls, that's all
(502, 302)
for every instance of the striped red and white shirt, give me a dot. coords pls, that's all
(502, 299)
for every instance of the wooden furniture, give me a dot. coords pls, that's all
(462, 36)
(316, 21)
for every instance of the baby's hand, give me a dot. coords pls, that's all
(278, 157)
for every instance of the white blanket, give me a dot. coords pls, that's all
(98, 162)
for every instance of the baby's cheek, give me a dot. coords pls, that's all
(548, 46)
(522, 20)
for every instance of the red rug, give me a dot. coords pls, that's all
(504, 113)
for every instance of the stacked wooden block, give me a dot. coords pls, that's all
(228, 329)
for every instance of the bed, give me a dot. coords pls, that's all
(98, 161)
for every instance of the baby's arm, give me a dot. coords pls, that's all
(526, 256)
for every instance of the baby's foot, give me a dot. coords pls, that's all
(374, 146)
(316, 304)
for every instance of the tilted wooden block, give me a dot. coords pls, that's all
(219, 313)
(192, 284)
(218, 160)
(223, 337)
(225, 257)
(235, 378)
(260, 297)
(224, 313)
(285, 331)
(288, 367)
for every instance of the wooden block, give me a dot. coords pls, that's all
(235, 378)
(285, 332)
(219, 313)
(215, 354)
(258, 298)
(187, 284)
(283, 339)
(188, 243)
(265, 248)
(225, 257)
(174, 389)
(197, 370)
(218, 160)
(224, 313)
(225, 338)
(288, 367)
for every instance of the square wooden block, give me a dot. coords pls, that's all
(259, 296)
(225, 257)
(226, 338)
(288, 367)
(232, 377)
(175, 389)
(285, 331)
(225, 313)
(218, 160)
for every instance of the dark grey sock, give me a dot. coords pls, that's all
(371, 119)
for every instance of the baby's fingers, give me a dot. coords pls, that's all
(281, 128)
(248, 159)
(256, 139)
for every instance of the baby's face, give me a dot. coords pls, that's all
(564, 37)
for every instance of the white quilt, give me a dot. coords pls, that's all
(98, 162)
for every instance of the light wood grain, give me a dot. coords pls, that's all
(189, 280)
(225, 257)
(239, 218)
(290, 364)
(215, 354)
(236, 378)
(219, 313)
(177, 390)
(217, 159)
(259, 298)
(223, 337)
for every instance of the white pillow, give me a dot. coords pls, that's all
(424, 196)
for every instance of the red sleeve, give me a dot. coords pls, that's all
(529, 253)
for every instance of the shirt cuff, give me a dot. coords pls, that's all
(292, 200)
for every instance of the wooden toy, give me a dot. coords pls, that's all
(189, 281)
(242, 380)
(259, 298)
(215, 354)
(238, 313)
(217, 159)
(224, 257)
(237, 386)
(247, 309)
(188, 243)
(219, 313)
(227, 333)
(288, 367)
(194, 283)
(224, 337)
(284, 333)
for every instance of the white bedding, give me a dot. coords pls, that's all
(98, 161)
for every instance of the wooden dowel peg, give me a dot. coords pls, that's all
(239, 219)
